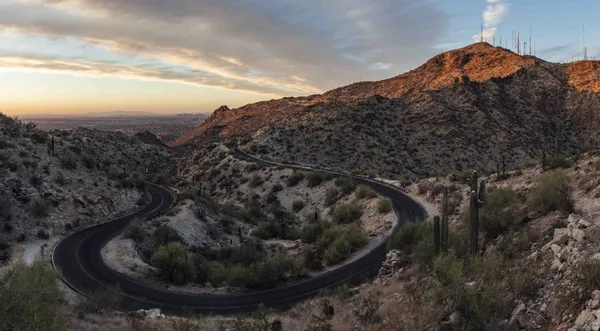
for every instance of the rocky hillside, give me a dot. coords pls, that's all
(463, 109)
(54, 182)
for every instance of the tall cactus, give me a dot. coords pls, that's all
(436, 233)
(477, 197)
(445, 227)
(52, 145)
(543, 159)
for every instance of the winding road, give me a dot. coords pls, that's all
(81, 266)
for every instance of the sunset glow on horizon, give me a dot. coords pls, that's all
(78, 56)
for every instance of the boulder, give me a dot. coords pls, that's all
(578, 234)
(586, 317)
(561, 236)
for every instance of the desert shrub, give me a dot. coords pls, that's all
(255, 181)
(347, 241)
(367, 310)
(39, 137)
(364, 192)
(315, 179)
(500, 213)
(29, 163)
(277, 188)
(31, 299)
(76, 149)
(36, 180)
(172, 262)
(272, 198)
(384, 206)
(552, 193)
(5, 207)
(88, 161)
(165, 234)
(312, 260)
(331, 197)
(345, 184)
(347, 213)
(297, 205)
(251, 167)
(7, 227)
(555, 162)
(135, 231)
(588, 275)
(100, 301)
(39, 208)
(43, 234)
(411, 234)
(311, 232)
(295, 178)
(214, 172)
(13, 165)
(336, 252)
(68, 162)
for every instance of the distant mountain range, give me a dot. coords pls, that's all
(116, 113)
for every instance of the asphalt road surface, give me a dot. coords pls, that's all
(79, 261)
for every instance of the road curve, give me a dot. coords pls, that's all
(79, 261)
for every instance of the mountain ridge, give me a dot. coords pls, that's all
(521, 104)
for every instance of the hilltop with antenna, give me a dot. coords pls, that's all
(521, 47)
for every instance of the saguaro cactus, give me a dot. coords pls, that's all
(543, 159)
(445, 227)
(477, 196)
(436, 233)
(52, 145)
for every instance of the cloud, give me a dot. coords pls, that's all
(288, 46)
(494, 14)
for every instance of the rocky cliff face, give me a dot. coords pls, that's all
(463, 109)
(53, 183)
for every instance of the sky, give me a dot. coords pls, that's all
(176, 56)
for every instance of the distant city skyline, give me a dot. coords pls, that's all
(192, 56)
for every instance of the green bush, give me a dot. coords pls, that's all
(552, 193)
(364, 192)
(411, 234)
(31, 300)
(39, 208)
(88, 161)
(172, 262)
(340, 243)
(588, 275)
(256, 181)
(315, 179)
(135, 231)
(331, 197)
(384, 206)
(311, 232)
(555, 162)
(297, 205)
(295, 178)
(312, 260)
(345, 184)
(500, 213)
(100, 301)
(347, 213)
